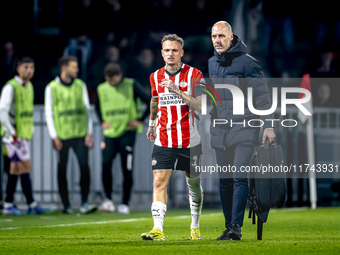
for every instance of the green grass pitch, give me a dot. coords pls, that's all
(288, 231)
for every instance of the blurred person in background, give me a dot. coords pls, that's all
(69, 122)
(158, 21)
(111, 54)
(143, 64)
(16, 115)
(197, 26)
(8, 62)
(323, 64)
(278, 19)
(323, 96)
(119, 110)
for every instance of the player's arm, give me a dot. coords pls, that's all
(153, 116)
(151, 134)
(5, 106)
(88, 138)
(56, 142)
(193, 103)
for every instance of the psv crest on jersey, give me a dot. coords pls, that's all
(183, 84)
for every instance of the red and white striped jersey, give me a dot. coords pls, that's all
(175, 126)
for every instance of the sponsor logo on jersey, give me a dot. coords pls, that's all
(170, 99)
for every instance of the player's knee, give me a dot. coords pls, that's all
(62, 165)
(226, 183)
(107, 160)
(159, 183)
(241, 182)
(128, 180)
(84, 166)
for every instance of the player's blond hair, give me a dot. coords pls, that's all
(173, 37)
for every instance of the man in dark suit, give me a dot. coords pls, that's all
(234, 144)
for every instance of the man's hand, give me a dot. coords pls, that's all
(15, 136)
(57, 144)
(150, 134)
(89, 141)
(193, 103)
(170, 85)
(103, 145)
(268, 133)
(106, 125)
(133, 123)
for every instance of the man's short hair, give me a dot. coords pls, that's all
(24, 60)
(64, 61)
(112, 69)
(173, 37)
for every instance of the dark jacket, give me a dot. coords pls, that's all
(238, 68)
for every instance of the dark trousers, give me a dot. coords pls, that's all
(124, 145)
(81, 151)
(234, 186)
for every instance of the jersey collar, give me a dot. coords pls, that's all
(17, 78)
(174, 74)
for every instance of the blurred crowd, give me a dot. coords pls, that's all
(287, 41)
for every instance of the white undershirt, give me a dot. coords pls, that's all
(7, 111)
(49, 110)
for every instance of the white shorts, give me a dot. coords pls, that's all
(18, 151)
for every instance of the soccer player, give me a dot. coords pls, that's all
(69, 122)
(16, 115)
(119, 110)
(172, 129)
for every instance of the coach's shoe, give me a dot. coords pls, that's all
(88, 208)
(235, 232)
(195, 234)
(224, 235)
(124, 209)
(107, 206)
(154, 235)
(67, 210)
(10, 211)
(35, 208)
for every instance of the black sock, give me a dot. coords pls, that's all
(85, 183)
(27, 187)
(10, 189)
(107, 180)
(127, 185)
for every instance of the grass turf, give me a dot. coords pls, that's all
(294, 231)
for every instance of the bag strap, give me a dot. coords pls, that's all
(252, 206)
(266, 144)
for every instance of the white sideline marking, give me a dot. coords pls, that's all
(9, 228)
(134, 219)
(78, 224)
(104, 222)
(212, 214)
(182, 217)
(6, 220)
